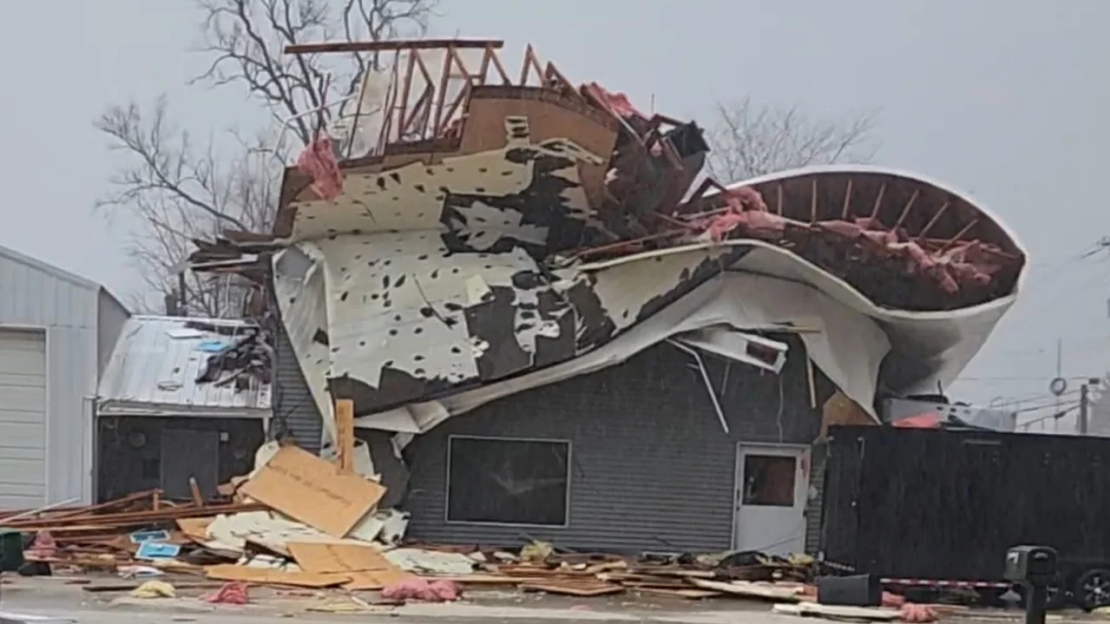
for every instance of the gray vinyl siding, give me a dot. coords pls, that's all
(651, 467)
(294, 409)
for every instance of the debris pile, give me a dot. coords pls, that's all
(632, 184)
(300, 521)
(296, 520)
(244, 359)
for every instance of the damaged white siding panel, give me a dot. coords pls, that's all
(845, 345)
(61, 306)
(301, 297)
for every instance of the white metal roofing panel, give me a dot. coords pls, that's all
(155, 365)
(62, 274)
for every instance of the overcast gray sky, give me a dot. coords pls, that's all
(1007, 99)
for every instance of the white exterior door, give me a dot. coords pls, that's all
(772, 486)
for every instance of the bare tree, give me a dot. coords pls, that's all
(178, 188)
(750, 140)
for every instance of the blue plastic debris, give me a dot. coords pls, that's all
(155, 550)
(211, 346)
(138, 537)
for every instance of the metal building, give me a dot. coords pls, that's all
(56, 332)
(162, 421)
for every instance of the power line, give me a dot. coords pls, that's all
(1052, 399)
(1055, 299)
(1034, 408)
(1056, 415)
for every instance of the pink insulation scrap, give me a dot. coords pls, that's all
(318, 161)
(414, 588)
(745, 209)
(43, 546)
(229, 593)
(617, 103)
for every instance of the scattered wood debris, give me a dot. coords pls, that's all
(301, 521)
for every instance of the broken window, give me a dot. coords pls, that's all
(506, 481)
(769, 480)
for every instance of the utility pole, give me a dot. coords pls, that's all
(1059, 375)
(1083, 406)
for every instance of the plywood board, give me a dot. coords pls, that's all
(314, 491)
(574, 588)
(374, 580)
(195, 529)
(365, 566)
(263, 576)
(342, 558)
(748, 589)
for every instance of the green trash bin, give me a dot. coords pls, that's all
(11, 550)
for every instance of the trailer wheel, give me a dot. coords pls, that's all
(1092, 589)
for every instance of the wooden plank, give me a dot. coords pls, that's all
(345, 432)
(687, 594)
(122, 587)
(263, 576)
(574, 588)
(313, 491)
(386, 46)
(748, 589)
(484, 579)
(838, 612)
(194, 491)
(132, 518)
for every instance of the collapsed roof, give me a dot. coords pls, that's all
(460, 234)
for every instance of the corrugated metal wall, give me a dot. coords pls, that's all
(646, 445)
(293, 405)
(35, 295)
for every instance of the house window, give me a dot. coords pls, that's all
(769, 480)
(507, 481)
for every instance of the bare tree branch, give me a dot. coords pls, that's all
(749, 140)
(177, 189)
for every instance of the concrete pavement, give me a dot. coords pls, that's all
(46, 597)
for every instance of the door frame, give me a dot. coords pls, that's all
(765, 448)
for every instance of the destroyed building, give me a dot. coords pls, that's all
(553, 326)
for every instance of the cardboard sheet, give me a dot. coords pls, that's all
(365, 566)
(195, 529)
(326, 558)
(313, 491)
(231, 572)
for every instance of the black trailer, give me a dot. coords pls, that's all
(941, 507)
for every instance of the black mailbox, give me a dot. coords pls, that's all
(1035, 565)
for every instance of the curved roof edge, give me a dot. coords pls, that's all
(856, 299)
(892, 171)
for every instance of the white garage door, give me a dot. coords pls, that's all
(22, 419)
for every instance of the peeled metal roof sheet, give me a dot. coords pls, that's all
(155, 364)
